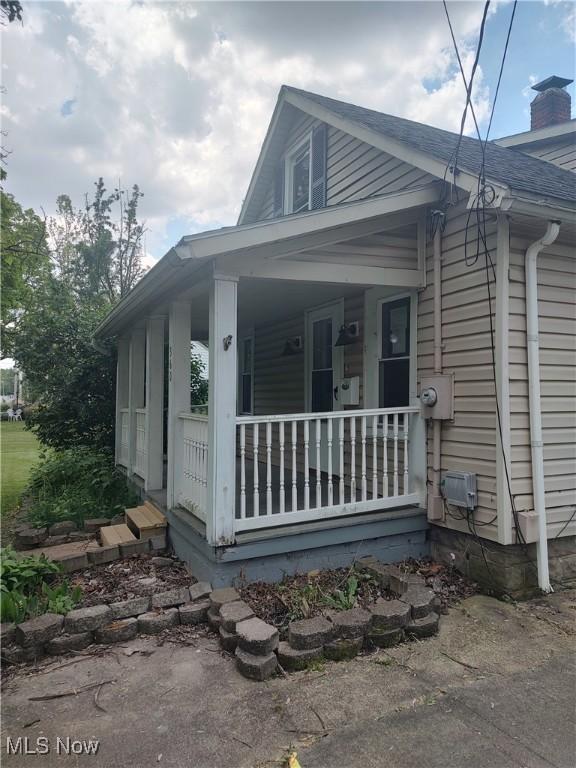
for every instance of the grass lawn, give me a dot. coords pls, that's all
(18, 451)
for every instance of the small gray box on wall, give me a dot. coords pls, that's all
(437, 396)
(459, 489)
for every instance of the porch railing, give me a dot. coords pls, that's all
(140, 459)
(124, 457)
(299, 467)
(192, 484)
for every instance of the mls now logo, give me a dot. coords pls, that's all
(42, 746)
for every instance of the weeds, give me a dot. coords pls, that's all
(76, 484)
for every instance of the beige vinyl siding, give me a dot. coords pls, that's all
(355, 170)
(279, 382)
(353, 354)
(561, 152)
(279, 385)
(469, 442)
(557, 338)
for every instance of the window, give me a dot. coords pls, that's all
(245, 396)
(298, 178)
(322, 370)
(394, 354)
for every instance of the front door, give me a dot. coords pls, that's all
(324, 367)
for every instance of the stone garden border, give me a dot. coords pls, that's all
(52, 634)
(255, 644)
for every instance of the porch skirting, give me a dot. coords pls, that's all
(391, 536)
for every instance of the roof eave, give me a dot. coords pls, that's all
(527, 138)
(539, 207)
(193, 251)
(262, 156)
(402, 150)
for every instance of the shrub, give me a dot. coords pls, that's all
(25, 589)
(75, 484)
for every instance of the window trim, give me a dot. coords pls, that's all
(374, 298)
(289, 172)
(241, 373)
(411, 356)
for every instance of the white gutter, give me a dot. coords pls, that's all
(536, 444)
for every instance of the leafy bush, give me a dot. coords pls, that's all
(24, 574)
(76, 484)
(25, 589)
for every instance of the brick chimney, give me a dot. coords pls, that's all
(552, 104)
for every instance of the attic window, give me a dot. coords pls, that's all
(298, 178)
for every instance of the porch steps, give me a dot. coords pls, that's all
(114, 535)
(147, 523)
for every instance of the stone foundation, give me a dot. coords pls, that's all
(511, 569)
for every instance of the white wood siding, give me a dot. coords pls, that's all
(561, 152)
(469, 442)
(557, 337)
(355, 170)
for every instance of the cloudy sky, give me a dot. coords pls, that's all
(177, 96)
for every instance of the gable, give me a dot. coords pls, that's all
(355, 169)
(560, 152)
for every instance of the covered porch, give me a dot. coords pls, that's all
(299, 428)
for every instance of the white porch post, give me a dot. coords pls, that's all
(179, 321)
(222, 411)
(122, 369)
(154, 402)
(135, 387)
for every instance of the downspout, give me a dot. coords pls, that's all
(436, 509)
(537, 448)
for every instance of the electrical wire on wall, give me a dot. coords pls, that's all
(483, 198)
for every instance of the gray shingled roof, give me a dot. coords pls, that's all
(520, 172)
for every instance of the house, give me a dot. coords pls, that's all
(392, 330)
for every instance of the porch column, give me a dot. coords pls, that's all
(122, 374)
(222, 385)
(154, 402)
(179, 321)
(135, 387)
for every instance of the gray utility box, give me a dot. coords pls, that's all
(437, 396)
(459, 489)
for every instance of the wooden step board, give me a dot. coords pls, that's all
(113, 535)
(146, 521)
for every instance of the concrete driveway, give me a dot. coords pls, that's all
(496, 689)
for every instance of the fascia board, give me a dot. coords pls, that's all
(255, 235)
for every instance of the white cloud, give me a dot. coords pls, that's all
(177, 97)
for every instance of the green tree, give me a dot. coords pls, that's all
(98, 248)
(25, 263)
(70, 381)
(95, 260)
(198, 384)
(10, 10)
